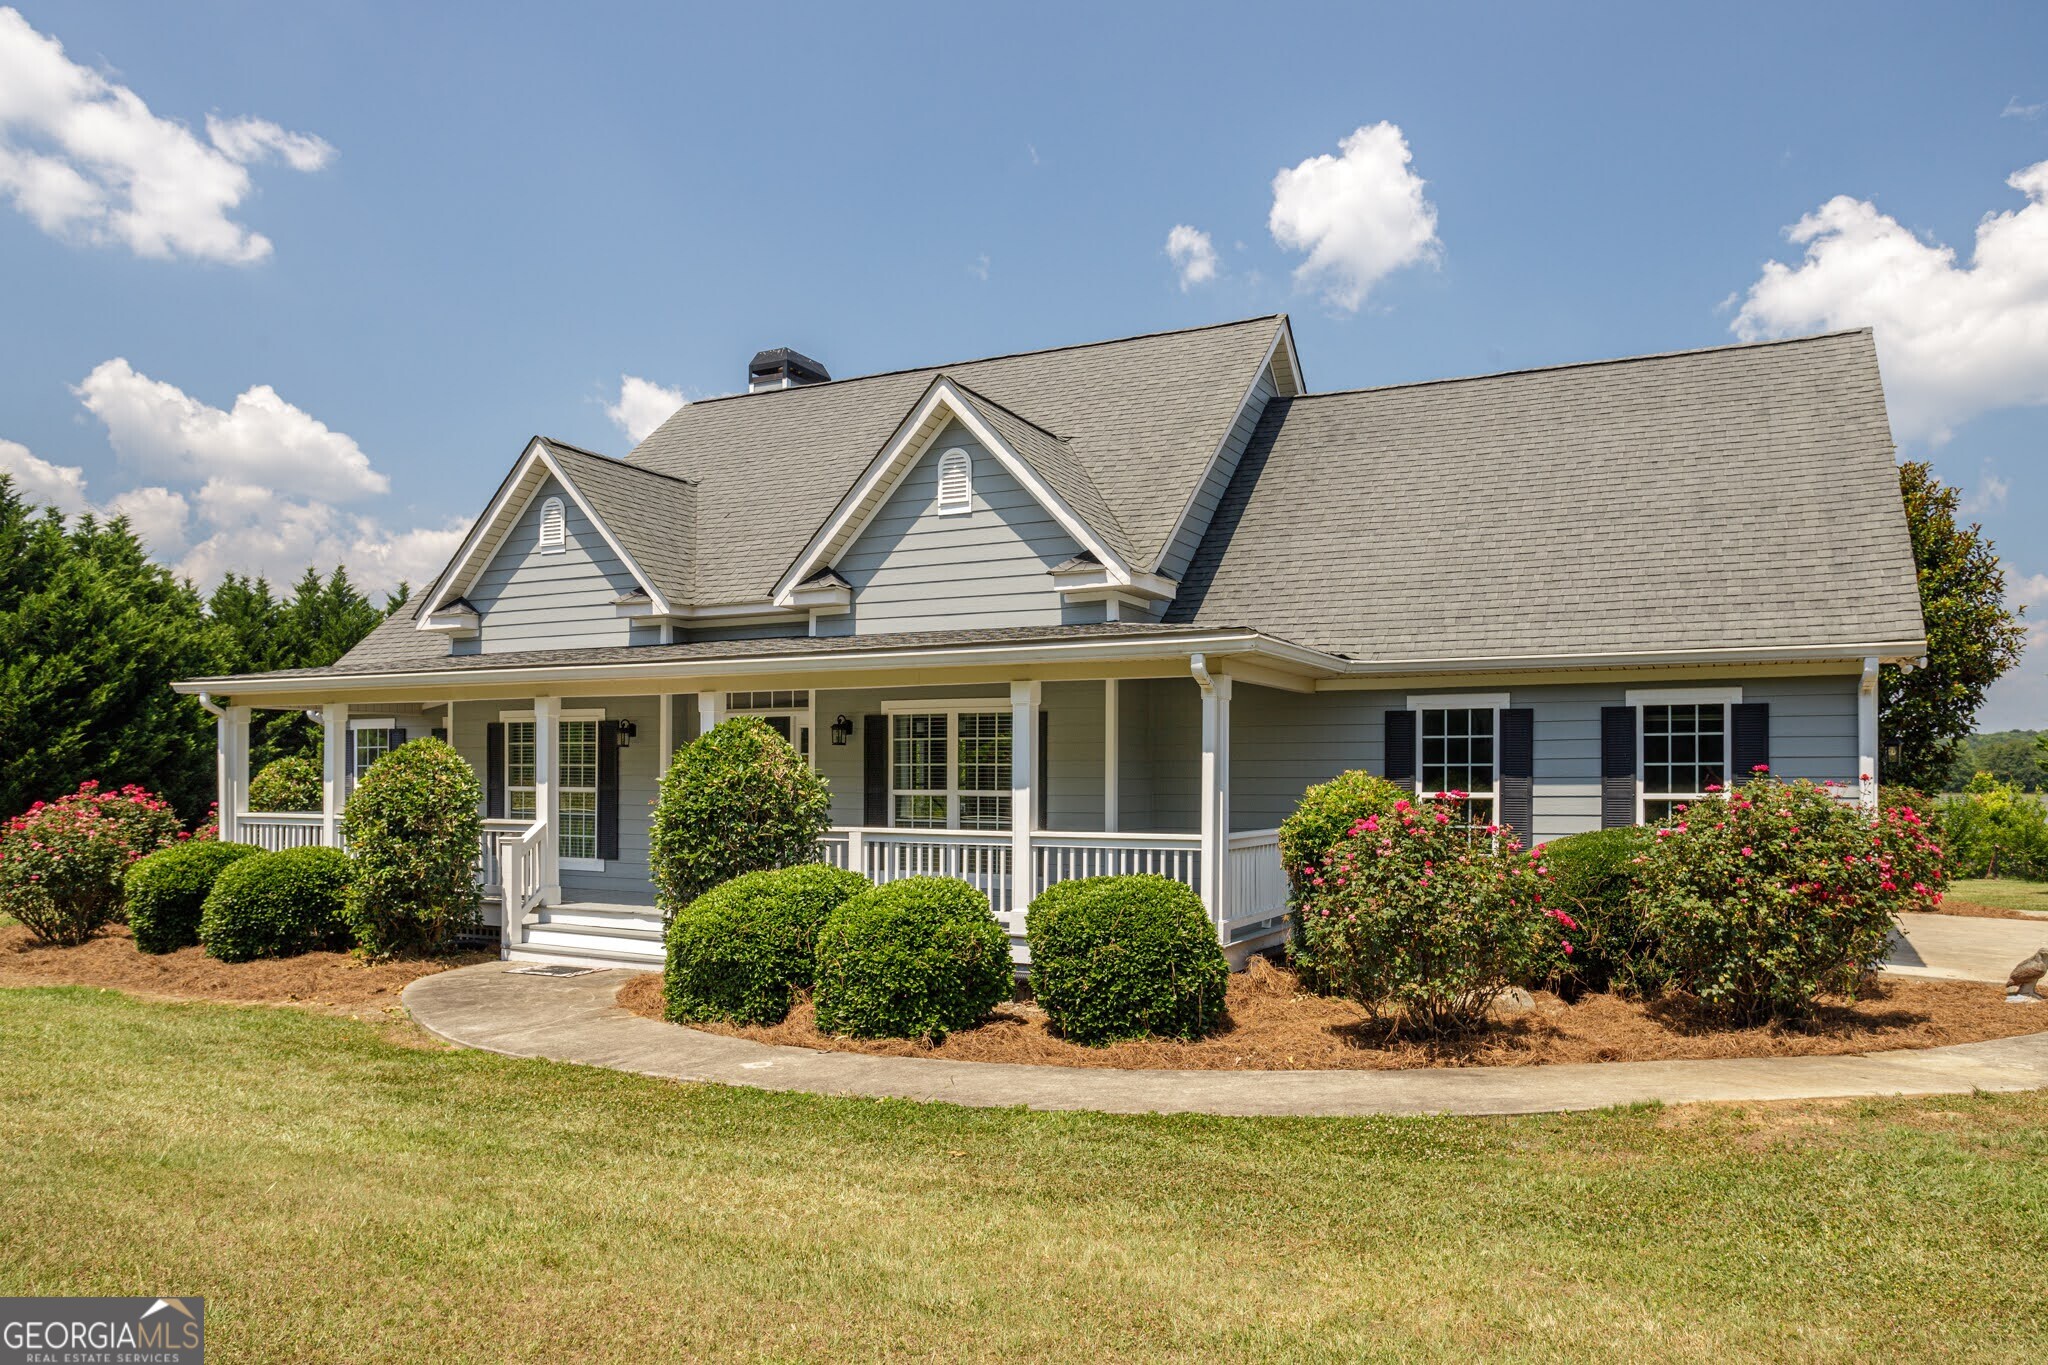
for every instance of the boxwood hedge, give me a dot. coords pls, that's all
(916, 958)
(1121, 957)
(742, 950)
(167, 890)
(277, 905)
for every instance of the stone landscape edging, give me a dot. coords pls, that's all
(495, 1008)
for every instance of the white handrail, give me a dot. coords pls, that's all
(519, 870)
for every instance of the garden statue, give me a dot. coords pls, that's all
(2023, 986)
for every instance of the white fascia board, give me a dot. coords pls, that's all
(1282, 336)
(1358, 674)
(849, 519)
(511, 503)
(1216, 646)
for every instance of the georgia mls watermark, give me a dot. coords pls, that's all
(102, 1331)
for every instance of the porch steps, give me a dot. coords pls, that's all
(590, 934)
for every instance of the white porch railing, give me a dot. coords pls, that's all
(1258, 881)
(487, 872)
(275, 830)
(979, 858)
(520, 869)
(1065, 856)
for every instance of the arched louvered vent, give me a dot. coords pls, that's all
(554, 527)
(956, 482)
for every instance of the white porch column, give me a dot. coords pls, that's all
(547, 747)
(1215, 790)
(1024, 780)
(1866, 734)
(710, 710)
(333, 770)
(667, 729)
(231, 748)
(1110, 796)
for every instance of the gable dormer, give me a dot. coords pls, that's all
(575, 549)
(962, 519)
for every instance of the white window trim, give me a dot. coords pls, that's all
(964, 504)
(374, 723)
(1726, 697)
(805, 716)
(597, 714)
(952, 708)
(1495, 702)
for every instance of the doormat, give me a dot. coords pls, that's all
(551, 969)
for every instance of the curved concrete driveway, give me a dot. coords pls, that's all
(575, 1019)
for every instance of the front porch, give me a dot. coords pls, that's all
(1011, 789)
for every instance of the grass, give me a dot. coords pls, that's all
(337, 1196)
(2001, 893)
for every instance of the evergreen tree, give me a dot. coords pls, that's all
(1972, 637)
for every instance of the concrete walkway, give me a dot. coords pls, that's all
(1958, 948)
(575, 1019)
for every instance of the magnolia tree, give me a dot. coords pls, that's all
(63, 863)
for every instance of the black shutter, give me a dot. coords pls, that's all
(874, 771)
(1749, 748)
(440, 732)
(1518, 770)
(494, 770)
(608, 790)
(397, 738)
(348, 758)
(1400, 748)
(1042, 777)
(1617, 766)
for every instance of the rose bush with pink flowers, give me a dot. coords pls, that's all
(1764, 898)
(62, 862)
(1425, 922)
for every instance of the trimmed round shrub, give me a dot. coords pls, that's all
(1427, 923)
(413, 836)
(1590, 877)
(918, 958)
(277, 905)
(1765, 898)
(737, 799)
(1326, 816)
(741, 951)
(63, 863)
(1122, 957)
(168, 889)
(291, 783)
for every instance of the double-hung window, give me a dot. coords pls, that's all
(1684, 738)
(576, 779)
(1460, 751)
(949, 767)
(369, 740)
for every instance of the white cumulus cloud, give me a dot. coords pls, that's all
(261, 440)
(250, 529)
(84, 158)
(38, 481)
(642, 406)
(1192, 254)
(1360, 215)
(1988, 495)
(1955, 339)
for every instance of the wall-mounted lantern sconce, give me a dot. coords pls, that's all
(842, 730)
(627, 730)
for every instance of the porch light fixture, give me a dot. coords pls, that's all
(842, 730)
(626, 732)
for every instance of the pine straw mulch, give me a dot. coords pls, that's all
(1972, 910)
(1271, 1024)
(329, 983)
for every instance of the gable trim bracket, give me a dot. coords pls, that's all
(514, 496)
(865, 499)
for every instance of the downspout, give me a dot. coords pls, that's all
(1199, 666)
(1866, 732)
(213, 708)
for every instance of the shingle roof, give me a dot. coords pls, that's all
(653, 514)
(1141, 417)
(1741, 497)
(396, 647)
(1050, 457)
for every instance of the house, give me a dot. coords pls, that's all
(1111, 607)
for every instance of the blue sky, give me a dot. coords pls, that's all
(300, 282)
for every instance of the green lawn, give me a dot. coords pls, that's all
(2002, 893)
(337, 1195)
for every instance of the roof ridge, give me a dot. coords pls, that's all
(622, 463)
(1580, 364)
(1006, 355)
(978, 396)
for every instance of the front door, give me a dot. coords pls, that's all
(794, 726)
